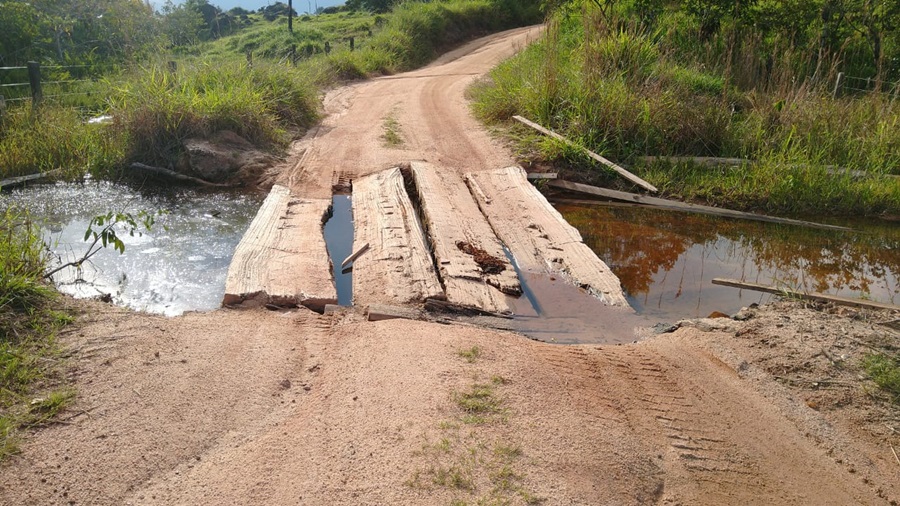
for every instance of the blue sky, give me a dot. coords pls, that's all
(301, 6)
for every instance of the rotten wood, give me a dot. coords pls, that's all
(18, 181)
(398, 269)
(174, 176)
(547, 243)
(469, 256)
(682, 206)
(282, 258)
(353, 256)
(819, 297)
(621, 171)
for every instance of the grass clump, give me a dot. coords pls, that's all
(885, 372)
(471, 355)
(391, 135)
(28, 365)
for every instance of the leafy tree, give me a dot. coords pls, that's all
(370, 5)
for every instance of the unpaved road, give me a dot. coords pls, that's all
(277, 408)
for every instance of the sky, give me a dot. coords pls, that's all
(301, 6)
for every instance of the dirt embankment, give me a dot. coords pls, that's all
(259, 407)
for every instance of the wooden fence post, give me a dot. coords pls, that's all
(34, 78)
(327, 47)
(2, 108)
(173, 66)
(352, 44)
(250, 58)
(837, 84)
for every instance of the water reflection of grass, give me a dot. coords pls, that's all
(639, 243)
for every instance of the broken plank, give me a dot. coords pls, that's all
(398, 268)
(539, 238)
(282, 258)
(682, 206)
(819, 297)
(622, 172)
(353, 256)
(535, 176)
(469, 256)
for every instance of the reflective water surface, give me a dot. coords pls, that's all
(179, 265)
(667, 260)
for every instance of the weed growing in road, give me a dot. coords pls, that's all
(885, 372)
(471, 354)
(391, 135)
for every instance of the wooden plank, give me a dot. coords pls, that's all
(622, 172)
(379, 312)
(538, 236)
(682, 206)
(398, 269)
(461, 238)
(535, 176)
(282, 259)
(820, 297)
(18, 181)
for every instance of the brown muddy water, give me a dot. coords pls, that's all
(666, 260)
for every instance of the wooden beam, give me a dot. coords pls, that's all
(820, 297)
(622, 172)
(682, 206)
(470, 258)
(542, 175)
(736, 162)
(398, 269)
(282, 258)
(539, 238)
(174, 176)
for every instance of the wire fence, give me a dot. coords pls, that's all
(851, 84)
(36, 84)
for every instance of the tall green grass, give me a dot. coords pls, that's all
(27, 329)
(156, 110)
(624, 90)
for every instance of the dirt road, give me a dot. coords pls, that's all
(292, 407)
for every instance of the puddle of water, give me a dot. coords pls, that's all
(179, 265)
(339, 240)
(667, 260)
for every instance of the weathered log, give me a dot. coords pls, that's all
(174, 176)
(682, 206)
(622, 172)
(819, 297)
(18, 181)
(353, 256)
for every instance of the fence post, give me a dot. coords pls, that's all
(2, 107)
(250, 58)
(327, 47)
(352, 43)
(837, 84)
(34, 78)
(173, 66)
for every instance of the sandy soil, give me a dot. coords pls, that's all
(263, 407)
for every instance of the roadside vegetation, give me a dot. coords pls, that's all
(31, 390)
(707, 78)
